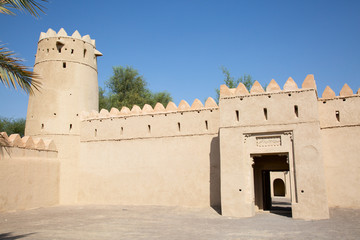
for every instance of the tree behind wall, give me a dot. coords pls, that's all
(10, 125)
(127, 88)
(231, 82)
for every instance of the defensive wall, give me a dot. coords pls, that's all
(199, 155)
(340, 130)
(160, 156)
(29, 173)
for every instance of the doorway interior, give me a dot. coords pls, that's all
(272, 190)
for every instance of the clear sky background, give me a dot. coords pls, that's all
(179, 46)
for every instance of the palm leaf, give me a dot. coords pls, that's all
(13, 73)
(31, 6)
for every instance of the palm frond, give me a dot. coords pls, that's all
(13, 73)
(31, 6)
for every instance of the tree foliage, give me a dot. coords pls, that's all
(231, 82)
(12, 72)
(127, 88)
(10, 125)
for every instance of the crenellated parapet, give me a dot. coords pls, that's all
(275, 106)
(158, 122)
(339, 111)
(27, 142)
(273, 87)
(171, 107)
(60, 46)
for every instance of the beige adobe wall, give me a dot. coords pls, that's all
(29, 174)
(283, 132)
(125, 163)
(340, 139)
(67, 66)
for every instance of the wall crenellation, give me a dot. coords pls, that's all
(148, 110)
(273, 87)
(150, 123)
(28, 142)
(62, 34)
(290, 85)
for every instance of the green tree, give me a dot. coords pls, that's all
(12, 72)
(231, 82)
(127, 88)
(10, 125)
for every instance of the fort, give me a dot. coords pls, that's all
(232, 157)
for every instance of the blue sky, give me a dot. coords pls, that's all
(179, 46)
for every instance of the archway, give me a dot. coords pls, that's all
(279, 188)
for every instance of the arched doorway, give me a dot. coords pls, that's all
(279, 188)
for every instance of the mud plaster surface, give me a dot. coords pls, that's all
(154, 222)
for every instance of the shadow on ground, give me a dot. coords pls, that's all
(10, 236)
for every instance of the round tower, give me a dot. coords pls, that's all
(68, 71)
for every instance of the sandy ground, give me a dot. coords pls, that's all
(153, 222)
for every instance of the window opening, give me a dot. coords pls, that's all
(265, 114)
(337, 114)
(296, 110)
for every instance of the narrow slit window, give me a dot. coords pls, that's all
(296, 110)
(179, 127)
(206, 125)
(70, 126)
(265, 114)
(337, 114)
(237, 115)
(47, 50)
(95, 132)
(121, 131)
(42, 126)
(64, 64)
(72, 51)
(149, 128)
(84, 52)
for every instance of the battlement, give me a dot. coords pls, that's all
(339, 111)
(148, 110)
(27, 142)
(62, 34)
(273, 87)
(137, 123)
(63, 48)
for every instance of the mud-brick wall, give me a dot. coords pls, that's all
(168, 158)
(340, 130)
(29, 178)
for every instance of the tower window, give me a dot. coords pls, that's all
(179, 127)
(42, 126)
(296, 110)
(149, 128)
(95, 132)
(121, 131)
(237, 115)
(70, 127)
(64, 64)
(206, 125)
(72, 51)
(337, 114)
(84, 52)
(265, 114)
